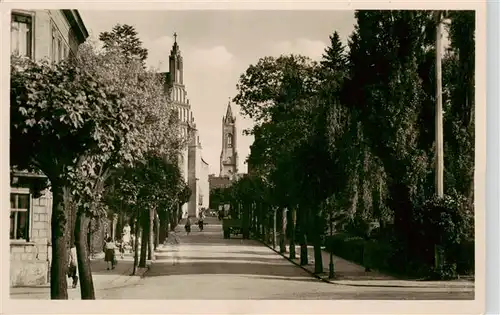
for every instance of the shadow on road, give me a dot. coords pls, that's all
(208, 253)
(249, 267)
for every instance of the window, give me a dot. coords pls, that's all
(54, 47)
(19, 216)
(229, 140)
(21, 35)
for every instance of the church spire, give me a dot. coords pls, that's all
(229, 113)
(175, 63)
(175, 51)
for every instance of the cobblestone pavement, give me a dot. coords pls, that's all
(206, 266)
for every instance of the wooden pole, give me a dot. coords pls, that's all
(439, 110)
(438, 254)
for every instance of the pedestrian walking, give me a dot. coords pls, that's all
(73, 265)
(109, 253)
(187, 227)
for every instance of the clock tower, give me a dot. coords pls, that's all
(229, 155)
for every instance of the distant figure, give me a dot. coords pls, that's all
(109, 254)
(73, 265)
(200, 220)
(126, 234)
(187, 227)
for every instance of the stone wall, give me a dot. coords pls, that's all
(30, 260)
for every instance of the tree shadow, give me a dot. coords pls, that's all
(180, 257)
(226, 267)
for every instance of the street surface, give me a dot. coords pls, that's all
(206, 266)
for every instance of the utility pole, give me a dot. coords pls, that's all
(438, 252)
(439, 110)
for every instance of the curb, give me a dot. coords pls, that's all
(293, 262)
(349, 284)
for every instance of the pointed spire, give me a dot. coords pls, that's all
(229, 112)
(175, 47)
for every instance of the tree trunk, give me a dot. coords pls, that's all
(163, 228)
(157, 231)
(293, 221)
(144, 240)
(246, 221)
(136, 244)
(304, 260)
(59, 226)
(274, 228)
(151, 234)
(283, 231)
(318, 258)
(84, 269)
(262, 220)
(179, 214)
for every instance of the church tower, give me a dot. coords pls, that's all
(175, 64)
(229, 155)
(190, 158)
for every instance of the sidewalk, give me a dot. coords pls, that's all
(351, 274)
(103, 280)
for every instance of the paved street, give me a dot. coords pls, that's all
(206, 266)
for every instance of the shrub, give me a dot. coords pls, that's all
(446, 222)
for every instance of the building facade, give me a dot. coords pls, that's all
(191, 162)
(38, 34)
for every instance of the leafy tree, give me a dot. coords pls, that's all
(458, 82)
(117, 113)
(385, 89)
(68, 106)
(147, 116)
(278, 93)
(125, 36)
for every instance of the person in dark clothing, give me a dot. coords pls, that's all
(109, 253)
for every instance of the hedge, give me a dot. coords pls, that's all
(389, 258)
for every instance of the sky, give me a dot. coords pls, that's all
(217, 47)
